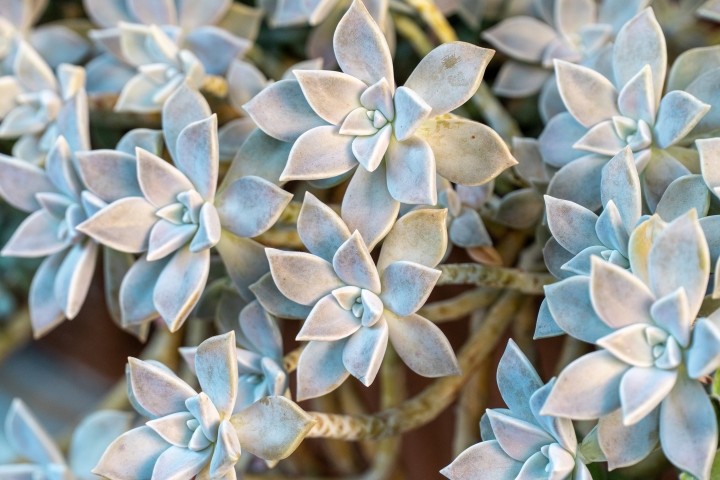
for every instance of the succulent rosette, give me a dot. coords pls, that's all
(520, 442)
(58, 201)
(259, 353)
(153, 47)
(45, 461)
(33, 99)
(196, 435)
(629, 109)
(644, 384)
(392, 141)
(176, 214)
(576, 31)
(358, 305)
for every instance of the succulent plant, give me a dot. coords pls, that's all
(260, 356)
(34, 99)
(520, 442)
(348, 122)
(58, 201)
(176, 214)
(152, 47)
(358, 305)
(644, 382)
(29, 441)
(193, 434)
(576, 31)
(628, 111)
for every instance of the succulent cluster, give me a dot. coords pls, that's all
(240, 200)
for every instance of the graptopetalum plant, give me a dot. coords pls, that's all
(256, 211)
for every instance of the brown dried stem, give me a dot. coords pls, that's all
(494, 277)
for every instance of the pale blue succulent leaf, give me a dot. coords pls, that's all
(557, 139)
(517, 381)
(678, 114)
(486, 457)
(422, 346)
(132, 455)
(626, 445)
(579, 182)
(572, 225)
(570, 306)
(545, 326)
(364, 351)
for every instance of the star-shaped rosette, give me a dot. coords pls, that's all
(45, 461)
(33, 99)
(58, 201)
(644, 383)
(194, 434)
(154, 46)
(260, 353)
(392, 141)
(629, 109)
(176, 214)
(576, 31)
(519, 442)
(356, 305)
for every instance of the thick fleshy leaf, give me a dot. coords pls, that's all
(360, 46)
(630, 344)
(411, 172)
(319, 153)
(619, 297)
(642, 390)
(271, 428)
(419, 236)
(28, 438)
(587, 388)
(661, 170)
(410, 112)
(518, 79)
(487, 457)
(216, 369)
(109, 174)
(180, 285)
(517, 380)
(703, 356)
(37, 236)
(302, 277)
(123, 225)
(640, 42)
(250, 205)
(518, 438)
(467, 230)
(422, 346)
(522, 37)
(226, 453)
(588, 96)
(45, 311)
(449, 75)
(282, 111)
(132, 455)
(160, 182)
(321, 230)
(557, 139)
(177, 463)
(244, 260)
(680, 258)
(320, 369)
(332, 95)
(184, 107)
(354, 265)
(215, 48)
(328, 322)
(637, 98)
(678, 114)
(364, 351)
(20, 182)
(167, 237)
(136, 291)
(561, 429)
(368, 207)
(571, 225)
(579, 182)
(466, 152)
(156, 390)
(92, 437)
(369, 150)
(197, 155)
(627, 445)
(621, 184)
(688, 439)
(601, 139)
(406, 286)
(570, 306)
(173, 428)
(261, 330)
(74, 277)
